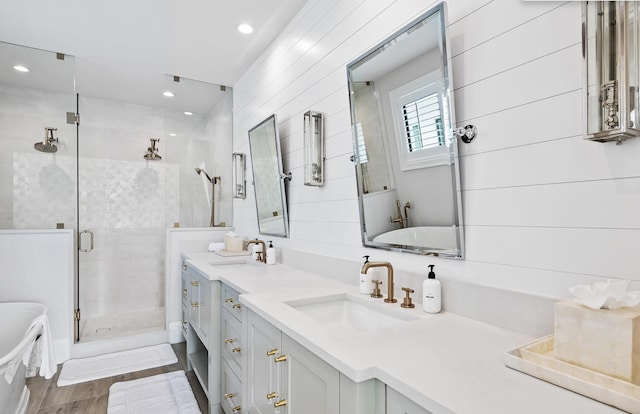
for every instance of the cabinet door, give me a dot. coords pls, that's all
(263, 345)
(399, 404)
(310, 385)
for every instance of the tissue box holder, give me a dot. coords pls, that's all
(606, 341)
(233, 244)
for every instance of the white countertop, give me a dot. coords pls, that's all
(444, 362)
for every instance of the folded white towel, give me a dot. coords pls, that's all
(44, 354)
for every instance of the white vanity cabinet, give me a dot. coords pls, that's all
(232, 347)
(201, 307)
(399, 404)
(284, 377)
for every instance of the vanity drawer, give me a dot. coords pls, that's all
(230, 301)
(231, 390)
(232, 346)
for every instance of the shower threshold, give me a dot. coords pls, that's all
(102, 327)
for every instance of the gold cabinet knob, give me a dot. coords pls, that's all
(236, 409)
(272, 352)
(407, 303)
(229, 341)
(236, 306)
(229, 395)
(280, 403)
(281, 358)
(236, 349)
(195, 305)
(272, 395)
(229, 300)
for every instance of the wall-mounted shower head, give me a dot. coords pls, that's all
(152, 151)
(201, 171)
(48, 145)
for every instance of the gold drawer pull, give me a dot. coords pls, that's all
(280, 403)
(229, 395)
(236, 349)
(272, 395)
(229, 300)
(195, 305)
(195, 283)
(229, 341)
(281, 358)
(236, 306)
(273, 352)
(236, 409)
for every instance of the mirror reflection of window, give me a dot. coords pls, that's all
(423, 123)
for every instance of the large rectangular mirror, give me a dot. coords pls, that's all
(268, 178)
(404, 148)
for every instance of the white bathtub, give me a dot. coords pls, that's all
(15, 338)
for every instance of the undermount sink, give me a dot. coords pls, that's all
(234, 261)
(350, 312)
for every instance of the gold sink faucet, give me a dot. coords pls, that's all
(369, 265)
(262, 256)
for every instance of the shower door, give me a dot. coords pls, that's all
(125, 204)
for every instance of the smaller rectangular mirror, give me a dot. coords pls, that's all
(239, 180)
(268, 178)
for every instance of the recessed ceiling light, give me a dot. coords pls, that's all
(21, 68)
(172, 134)
(244, 28)
(168, 94)
(188, 113)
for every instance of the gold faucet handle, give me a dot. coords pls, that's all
(376, 290)
(407, 303)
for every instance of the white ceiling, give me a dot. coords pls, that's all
(121, 46)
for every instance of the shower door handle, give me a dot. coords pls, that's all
(90, 233)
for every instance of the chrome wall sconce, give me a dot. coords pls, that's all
(238, 178)
(313, 149)
(610, 49)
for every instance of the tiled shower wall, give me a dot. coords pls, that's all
(543, 208)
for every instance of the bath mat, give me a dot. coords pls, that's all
(168, 393)
(103, 366)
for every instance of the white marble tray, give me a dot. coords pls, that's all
(537, 359)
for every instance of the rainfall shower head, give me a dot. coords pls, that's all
(152, 151)
(48, 144)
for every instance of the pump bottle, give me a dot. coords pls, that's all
(431, 293)
(366, 286)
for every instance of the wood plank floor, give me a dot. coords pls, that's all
(92, 397)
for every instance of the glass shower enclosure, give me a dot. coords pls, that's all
(98, 181)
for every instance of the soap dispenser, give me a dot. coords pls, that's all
(271, 254)
(431, 293)
(366, 284)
